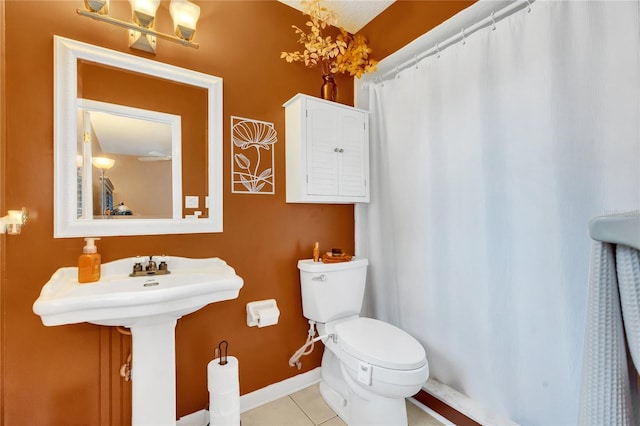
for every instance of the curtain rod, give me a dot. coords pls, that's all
(460, 35)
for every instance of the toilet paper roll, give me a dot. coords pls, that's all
(268, 316)
(224, 392)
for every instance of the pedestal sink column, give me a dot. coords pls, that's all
(153, 373)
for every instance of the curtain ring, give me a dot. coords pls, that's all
(437, 50)
(529, 6)
(464, 39)
(493, 21)
(415, 61)
(397, 72)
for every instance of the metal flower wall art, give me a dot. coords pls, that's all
(252, 170)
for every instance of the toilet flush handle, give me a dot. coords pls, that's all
(322, 277)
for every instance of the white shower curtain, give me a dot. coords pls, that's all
(487, 162)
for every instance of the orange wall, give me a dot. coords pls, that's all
(69, 374)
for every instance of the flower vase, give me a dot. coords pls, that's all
(329, 88)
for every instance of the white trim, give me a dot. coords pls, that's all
(199, 418)
(259, 397)
(278, 390)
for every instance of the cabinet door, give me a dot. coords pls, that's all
(352, 153)
(322, 141)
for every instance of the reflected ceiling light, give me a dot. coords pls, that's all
(102, 163)
(142, 35)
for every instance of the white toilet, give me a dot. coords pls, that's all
(369, 367)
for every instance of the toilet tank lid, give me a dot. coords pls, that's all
(308, 265)
(380, 343)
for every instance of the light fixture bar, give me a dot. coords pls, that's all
(134, 27)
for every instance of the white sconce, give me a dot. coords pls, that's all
(184, 13)
(144, 14)
(13, 221)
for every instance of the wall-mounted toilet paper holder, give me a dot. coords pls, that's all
(262, 313)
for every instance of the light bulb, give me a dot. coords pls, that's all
(103, 162)
(144, 12)
(148, 7)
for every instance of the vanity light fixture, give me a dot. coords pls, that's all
(142, 35)
(13, 221)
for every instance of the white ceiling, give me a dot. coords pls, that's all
(352, 14)
(122, 135)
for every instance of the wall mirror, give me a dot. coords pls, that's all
(137, 145)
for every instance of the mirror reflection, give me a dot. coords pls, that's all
(134, 139)
(128, 155)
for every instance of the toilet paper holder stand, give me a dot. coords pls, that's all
(262, 313)
(221, 352)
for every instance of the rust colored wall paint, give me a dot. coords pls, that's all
(57, 375)
(3, 128)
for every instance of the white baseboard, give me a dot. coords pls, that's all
(199, 418)
(275, 391)
(259, 397)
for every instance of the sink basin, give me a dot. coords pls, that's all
(150, 306)
(118, 299)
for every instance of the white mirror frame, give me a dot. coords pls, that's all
(66, 55)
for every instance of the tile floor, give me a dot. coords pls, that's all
(307, 408)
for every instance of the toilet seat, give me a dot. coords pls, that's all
(380, 344)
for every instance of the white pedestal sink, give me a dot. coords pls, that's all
(150, 306)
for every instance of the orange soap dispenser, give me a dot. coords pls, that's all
(89, 262)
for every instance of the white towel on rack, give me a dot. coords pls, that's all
(605, 395)
(628, 270)
(628, 267)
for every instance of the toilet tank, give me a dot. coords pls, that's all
(332, 290)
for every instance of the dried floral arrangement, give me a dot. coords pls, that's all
(346, 54)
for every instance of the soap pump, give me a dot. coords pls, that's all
(89, 262)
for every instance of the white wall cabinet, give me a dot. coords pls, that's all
(327, 151)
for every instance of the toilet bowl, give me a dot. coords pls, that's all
(368, 367)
